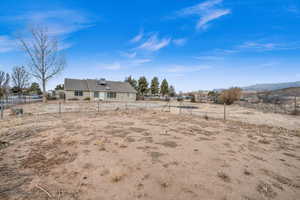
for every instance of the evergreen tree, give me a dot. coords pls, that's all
(164, 87)
(35, 89)
(60, 87)
(142, 86)
(154, 86)
(132, 82)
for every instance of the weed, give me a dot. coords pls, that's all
(224, 177)
(266, 190)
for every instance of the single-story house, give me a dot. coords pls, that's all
(98, 89)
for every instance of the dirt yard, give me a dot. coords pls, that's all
(144, 154)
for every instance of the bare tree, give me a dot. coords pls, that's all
(20, 78)
(4, 83)
(46, 61)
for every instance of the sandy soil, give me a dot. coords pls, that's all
(143, 154)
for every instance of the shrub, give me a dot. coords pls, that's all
(49, 98)
(230, 96)
(73, 99)
(87, 98)
(193, 98)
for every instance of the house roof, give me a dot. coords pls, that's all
(92, 85)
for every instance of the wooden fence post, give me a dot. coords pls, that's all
(224, 111)
(2, 109)
(59, 107)
(295, 105)
(98, 106)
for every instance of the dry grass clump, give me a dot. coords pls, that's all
(266, 190)
(247, 172)
(264, 141)
(224, 176)
(117, 175)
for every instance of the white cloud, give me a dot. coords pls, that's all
(7, 44)
(268, 46)
(209, 58)
(184, 68)
(253, 46)
(207, 12)
(128, 54)
(140, 61)
(153, 43)
(180, 41)
(258, 46)
(59, 22)
(138, 37)
(210, 16)
(114, 66)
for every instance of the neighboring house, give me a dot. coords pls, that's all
(99, 89)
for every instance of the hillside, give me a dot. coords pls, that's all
(271, 86)
(292, 91)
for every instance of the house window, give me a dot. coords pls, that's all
(78, 93)
(111, 95)
(96, 94)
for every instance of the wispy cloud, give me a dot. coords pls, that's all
(258, 46)
(180, 41)
(206, 11)
(128, 54)
(185, 69)
(113, 66)
(254, 46)
(59, 22)
(268, 46)
(293, 9)
(140, 61)
(154, 43)
(6, 44)
(214, 58)
(138, 37)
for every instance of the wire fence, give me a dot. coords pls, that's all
(61, 107)
(288, 106)
(10, 101)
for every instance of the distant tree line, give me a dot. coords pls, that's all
(154, 88)
(18, 83)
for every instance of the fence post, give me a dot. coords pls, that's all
(2, 108)
(98, 106)
(295, 105)
(59, 107)
(224, 111)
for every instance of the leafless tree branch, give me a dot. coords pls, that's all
(45, 60)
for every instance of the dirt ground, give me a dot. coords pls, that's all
(144, 154)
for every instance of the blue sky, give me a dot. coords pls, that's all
(195, 44)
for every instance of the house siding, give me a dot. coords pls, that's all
(120, 96)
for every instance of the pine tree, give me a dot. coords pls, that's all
(142, 86)
(132, 82)
(154, 86)
(164, 87)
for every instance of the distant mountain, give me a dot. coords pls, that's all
(271, 86)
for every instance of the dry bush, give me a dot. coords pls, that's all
(230, 96)
(224, 176)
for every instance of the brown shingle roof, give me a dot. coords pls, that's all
(91, 85)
